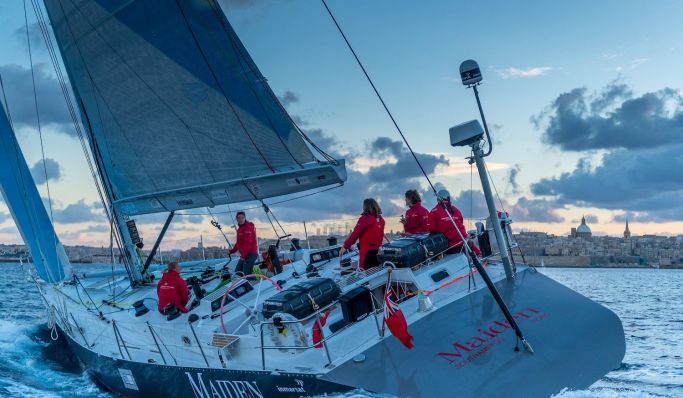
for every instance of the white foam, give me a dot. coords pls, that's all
(604, 393)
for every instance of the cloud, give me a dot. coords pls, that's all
(609, 55)
(511, 72)
(54, 171)
(473, 204)
(646, 182)
(19, 90)
(386, 172)
(98, 228)
(78, 212)
(404, 167)
(612, 118)
(637, 62)
(35, 35)
(384, 169)
(288, 98)
(535, 210)
(590, 219)
(4, 217)
(512, 178)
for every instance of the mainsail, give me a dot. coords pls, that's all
(178, 114)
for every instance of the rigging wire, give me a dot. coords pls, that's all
(379, 96)
(494, 187)
(269, 91)
(220, 86)
(21, 173)
(465, 239)
(54, 59)
(244, 59)
(471, 193)
(40, 134)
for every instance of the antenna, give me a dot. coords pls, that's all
(471, 77)
(471, 134)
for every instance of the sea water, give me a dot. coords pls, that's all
(648, 301)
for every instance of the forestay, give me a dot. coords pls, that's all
(29, 214)
(179, 116)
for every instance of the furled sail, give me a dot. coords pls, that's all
(178, 114)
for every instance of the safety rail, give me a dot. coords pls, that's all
(324, 339)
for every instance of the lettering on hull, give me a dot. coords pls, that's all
(484, 339)
(223, 388)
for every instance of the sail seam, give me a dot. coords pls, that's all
(242, 61)
(270, 92)
(144, 82)
(213, 74)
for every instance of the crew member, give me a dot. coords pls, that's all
(440, 221)
(172, 290)
(246, 244)
(416, 220)
(369, 231)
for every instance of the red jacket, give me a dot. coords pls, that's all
(246, 240)
(417, 219)
(370, 232)
(440, 222)
(172, 289)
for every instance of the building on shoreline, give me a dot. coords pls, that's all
(582, 231)
(581, 249)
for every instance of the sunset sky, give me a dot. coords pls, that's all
(583, 99)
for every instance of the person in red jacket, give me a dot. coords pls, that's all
(246, 244)
(416, 220)
(369, 231)
(172, 290)
(440, 221)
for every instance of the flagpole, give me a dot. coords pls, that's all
(384, 301)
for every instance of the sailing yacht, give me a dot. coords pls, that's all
(177, 116)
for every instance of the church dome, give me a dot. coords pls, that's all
(583, 228)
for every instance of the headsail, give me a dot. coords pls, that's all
(25, 204)
(179, 115)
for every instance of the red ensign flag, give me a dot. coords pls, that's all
(396, 321)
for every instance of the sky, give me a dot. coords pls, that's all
(583, 100)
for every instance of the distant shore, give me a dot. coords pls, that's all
(593, 262)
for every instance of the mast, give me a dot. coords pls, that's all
(471, 133)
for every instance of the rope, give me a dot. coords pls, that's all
(396, 126)
(40, 134)
(52, 323)
(495, 189)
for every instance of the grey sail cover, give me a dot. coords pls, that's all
(179, 114)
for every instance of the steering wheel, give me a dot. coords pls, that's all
(251, 310)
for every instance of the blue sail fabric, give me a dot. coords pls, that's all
(179, 115)
(25, 204)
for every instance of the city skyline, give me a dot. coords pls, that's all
(584, 108)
